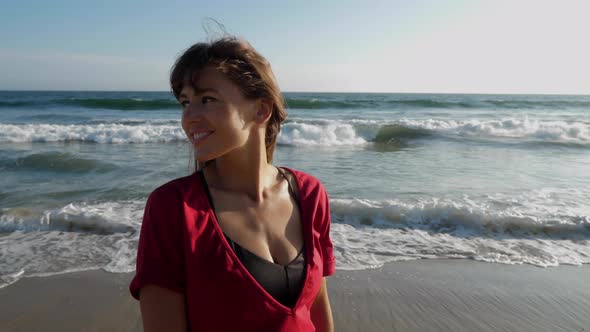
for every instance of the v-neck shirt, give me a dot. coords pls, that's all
(182, 248)
(282, 282)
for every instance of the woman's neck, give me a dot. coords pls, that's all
(247, 173)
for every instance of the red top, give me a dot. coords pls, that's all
(182, 248)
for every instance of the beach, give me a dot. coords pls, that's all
(440, 152)
(492, 178)
(422, 295)
(450, 212)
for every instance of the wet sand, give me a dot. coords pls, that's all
(426, 295)
(462, 295)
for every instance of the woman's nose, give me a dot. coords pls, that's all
(192, 110)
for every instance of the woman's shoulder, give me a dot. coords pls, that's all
(307, 183)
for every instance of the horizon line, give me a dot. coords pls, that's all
(326, 92)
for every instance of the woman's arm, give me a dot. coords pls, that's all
(321, 313)
(162, 309)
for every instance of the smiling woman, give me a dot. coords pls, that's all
(240, 244)
(215, 115)
(233, 64)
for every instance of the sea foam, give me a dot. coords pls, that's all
(99, 133)
(316, 132)
(547, 227)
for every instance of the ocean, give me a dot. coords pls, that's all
(503, 179)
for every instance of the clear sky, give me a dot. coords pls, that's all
(464, 46)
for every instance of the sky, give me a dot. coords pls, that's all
(458, 46)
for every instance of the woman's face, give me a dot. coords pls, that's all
(216, 117)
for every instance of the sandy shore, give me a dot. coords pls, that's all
(82, 301)
(462, 295)
(428, 295)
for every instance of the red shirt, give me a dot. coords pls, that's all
(182, 248)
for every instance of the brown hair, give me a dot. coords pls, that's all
(244, 66)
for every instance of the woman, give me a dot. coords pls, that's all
(240, 245)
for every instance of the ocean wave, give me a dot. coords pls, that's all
(54, 117)
(538, 130)
(331, 134)
(79, 218)
(301, 132)
(323, 132)
(531, 215)
(57, 162)
(368, 103)
(314, 103)
(76, 237)
(531, 228)
(318, 132)
(330, 101)
(135, 122)
(547, 227)
(16, 104)
(100, 133)
(390, 133)
(134, 104)
(446, 102)
(538, 104)
(122, 104)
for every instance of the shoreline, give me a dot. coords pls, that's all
(462, 295)
(421, 295)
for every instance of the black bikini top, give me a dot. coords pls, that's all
(282, 282)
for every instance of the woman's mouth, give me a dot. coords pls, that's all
(197, 138)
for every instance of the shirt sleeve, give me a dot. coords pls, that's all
(160, 256)
(329, 262)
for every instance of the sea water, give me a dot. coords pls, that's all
(495, 178)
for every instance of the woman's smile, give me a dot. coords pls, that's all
(198, 137)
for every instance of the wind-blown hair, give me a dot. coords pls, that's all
(241, 64)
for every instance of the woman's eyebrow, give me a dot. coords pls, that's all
(199, 91)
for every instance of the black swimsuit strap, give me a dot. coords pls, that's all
(291, 185)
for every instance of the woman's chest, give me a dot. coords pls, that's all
(272, 231)
(214, 272)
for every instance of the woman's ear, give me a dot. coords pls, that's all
(264, 110)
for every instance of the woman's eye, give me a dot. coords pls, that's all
(207, 99)
(204, 100)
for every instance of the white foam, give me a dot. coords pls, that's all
(108, 217)
(369, 247)
(556, 131)
(10, 278)
(543, 210)
(546, 227)
(327, 121)
(330, 134)
(310, 132)
(98, 133)
(99, 236)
